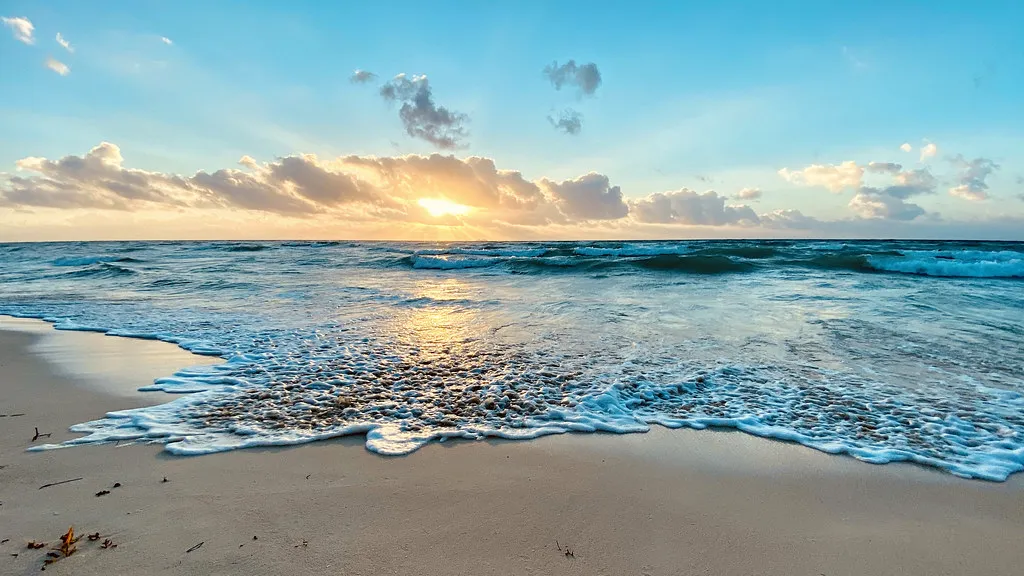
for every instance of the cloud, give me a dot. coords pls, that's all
(889, 202)
(58, 67)
(589, 197)
(22, 28)
(64, 43)
(166, 40)
(351, 188)
(929, 150)
(793, 219)
(875, 203)
(688, 207)
(421, 116)
(884, 167)
(586, 77)
(362, 76)
(971, 179)
(834, 177)
(749, 194)
(568, 122)
(96, 180)
(906, 147)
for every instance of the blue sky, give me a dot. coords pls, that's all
(693, 95)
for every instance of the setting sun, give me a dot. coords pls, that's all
(437, 207)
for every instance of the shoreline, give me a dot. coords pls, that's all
(666, 502)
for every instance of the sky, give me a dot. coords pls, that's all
(156, 119)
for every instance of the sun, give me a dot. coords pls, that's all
(438, 207)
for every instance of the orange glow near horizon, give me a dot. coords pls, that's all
(437, 207)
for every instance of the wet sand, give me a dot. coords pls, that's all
(667, 502)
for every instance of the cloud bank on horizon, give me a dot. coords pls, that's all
(361, 190)
(651, 127)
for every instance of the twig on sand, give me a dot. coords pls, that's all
(103, 492)
(567, 551)
(38, 435)
(304, 544)
(196, 547)
(59, 483)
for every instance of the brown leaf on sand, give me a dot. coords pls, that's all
(33, 545)
(108, 544)
(93, 537)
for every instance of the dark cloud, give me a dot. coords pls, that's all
(421, 116)
(568, 122)
(688, 207)
(586, 77)
(589, 197)
(362, 77)
(971, 184)
(884, 167)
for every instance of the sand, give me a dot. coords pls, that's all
(667, 502)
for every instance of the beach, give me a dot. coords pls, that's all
(665, 502)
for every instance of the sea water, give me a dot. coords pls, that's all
(886, 351)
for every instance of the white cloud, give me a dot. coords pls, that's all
(166, 40)
(22, 28)
(834, 177)
(906, 147)
(690, 208)
(63, 42)
(929, 150)
(873, 203)
(362, 76)
(58, 67)
(589, 197)
(749, 194)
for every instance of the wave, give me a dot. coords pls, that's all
(697, 264)
(90, 260)
(950, 267)
(631, 251)
(522, 253)
(101, 270)
(693, 264)
(423, 261)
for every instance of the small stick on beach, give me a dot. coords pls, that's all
(59, 483)
(38, 435)
(196, 547)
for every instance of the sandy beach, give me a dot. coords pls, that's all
(663, 503)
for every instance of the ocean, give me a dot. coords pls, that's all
(882, 350)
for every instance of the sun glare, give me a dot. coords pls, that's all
(437, 207)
